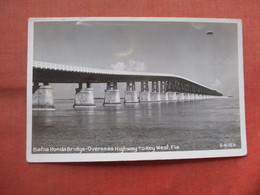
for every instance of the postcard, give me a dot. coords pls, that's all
(130, 89)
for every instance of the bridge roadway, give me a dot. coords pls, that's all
(165, 87)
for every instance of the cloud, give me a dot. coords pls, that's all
(119, 66)
(125, 53)
(132, 65)
(137, 66)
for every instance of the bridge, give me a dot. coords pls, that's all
(164, 87)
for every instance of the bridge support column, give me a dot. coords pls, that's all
(172, 96)
(131, 95)
(192, 96)
(163, 93)
(164, 96)
(42, 97)
(155, 94)
(186, 97)
(84, 97)
(199, 97)
(180, 96)
(196, 96)
(145, 95)
(112, 95)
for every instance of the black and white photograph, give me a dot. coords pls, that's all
(117, 89)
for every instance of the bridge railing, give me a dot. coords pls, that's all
(62, 67)
(70, 68)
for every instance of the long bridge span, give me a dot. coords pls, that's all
(164, 87)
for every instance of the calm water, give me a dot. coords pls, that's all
(204, 124)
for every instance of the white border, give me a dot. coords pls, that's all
(96, 157)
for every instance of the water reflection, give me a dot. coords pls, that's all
(192, 125)
(86, 118)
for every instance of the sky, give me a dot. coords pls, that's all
(179, 48)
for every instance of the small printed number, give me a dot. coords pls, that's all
(227, 145)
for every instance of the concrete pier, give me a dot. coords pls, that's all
(186, 97)
(144, 95)
(180, 96)
(163, 91)
(165, 96)
(155, 96)
(131, 95)
(192, 96)
(172, 96)
(42, 97)
(196, 97)
(84, 97)
(112, 95)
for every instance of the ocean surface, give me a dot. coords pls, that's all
(169, 126)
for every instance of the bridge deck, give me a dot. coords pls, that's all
(59, 73)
